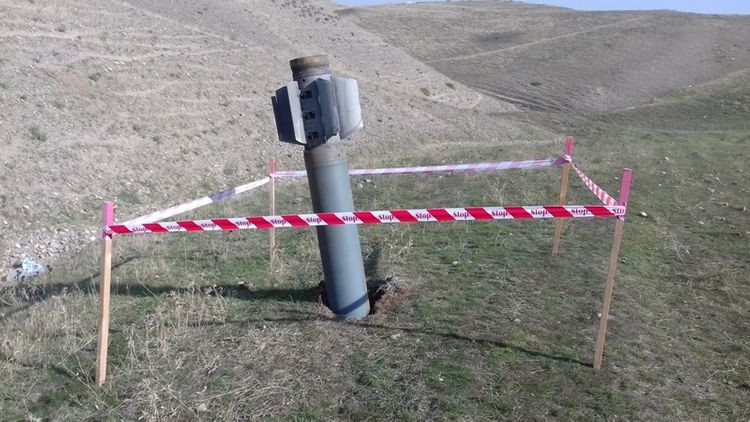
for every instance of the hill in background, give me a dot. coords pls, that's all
(560, 61)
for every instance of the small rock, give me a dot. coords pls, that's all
(643, 214)
(517, 320)
(24, 270)
(395, 336)
(666, 158)
(701, 223)
(454, 263)
(202, 408)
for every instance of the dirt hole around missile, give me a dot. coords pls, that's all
(380, 292)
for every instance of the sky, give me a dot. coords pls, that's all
(696, 6)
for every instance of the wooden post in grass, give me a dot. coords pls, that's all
(272, 200)
(563, 194)
(610, 283)
(102, 342)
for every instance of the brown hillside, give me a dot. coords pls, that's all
(560, 60)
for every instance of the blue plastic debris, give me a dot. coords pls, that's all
(25, 270)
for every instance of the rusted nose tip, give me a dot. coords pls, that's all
(308, 66)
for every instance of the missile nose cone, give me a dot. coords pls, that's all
(309, 66)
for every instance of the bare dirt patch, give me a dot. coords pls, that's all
(381, 294)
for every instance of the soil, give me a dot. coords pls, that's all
(380, 292)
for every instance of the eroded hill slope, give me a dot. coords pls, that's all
(560, 60)
(152, 103)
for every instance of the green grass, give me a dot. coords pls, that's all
(485, 324)
(720, 107)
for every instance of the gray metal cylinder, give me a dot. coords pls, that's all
(330, 189)
(340, 252)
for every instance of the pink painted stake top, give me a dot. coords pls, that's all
(272, 166)
(624, 187)
(569, 146)
(108, 213)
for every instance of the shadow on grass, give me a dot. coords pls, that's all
(305, 317)
(495, 342)
(484, 341)
(309, 294)
(32, 294)
(39, 293)
(59, 370)
(7, 315)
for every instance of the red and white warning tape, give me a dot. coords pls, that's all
(230, 193)
(372, 217)
(595, 189)
(471, 167)
(448, 168)
(197, 203)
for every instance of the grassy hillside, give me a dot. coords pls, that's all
(480, 323)
(483, 324)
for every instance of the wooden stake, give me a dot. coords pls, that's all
(272, 200)
(563, 195)
(610, 283)
(102, 343)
